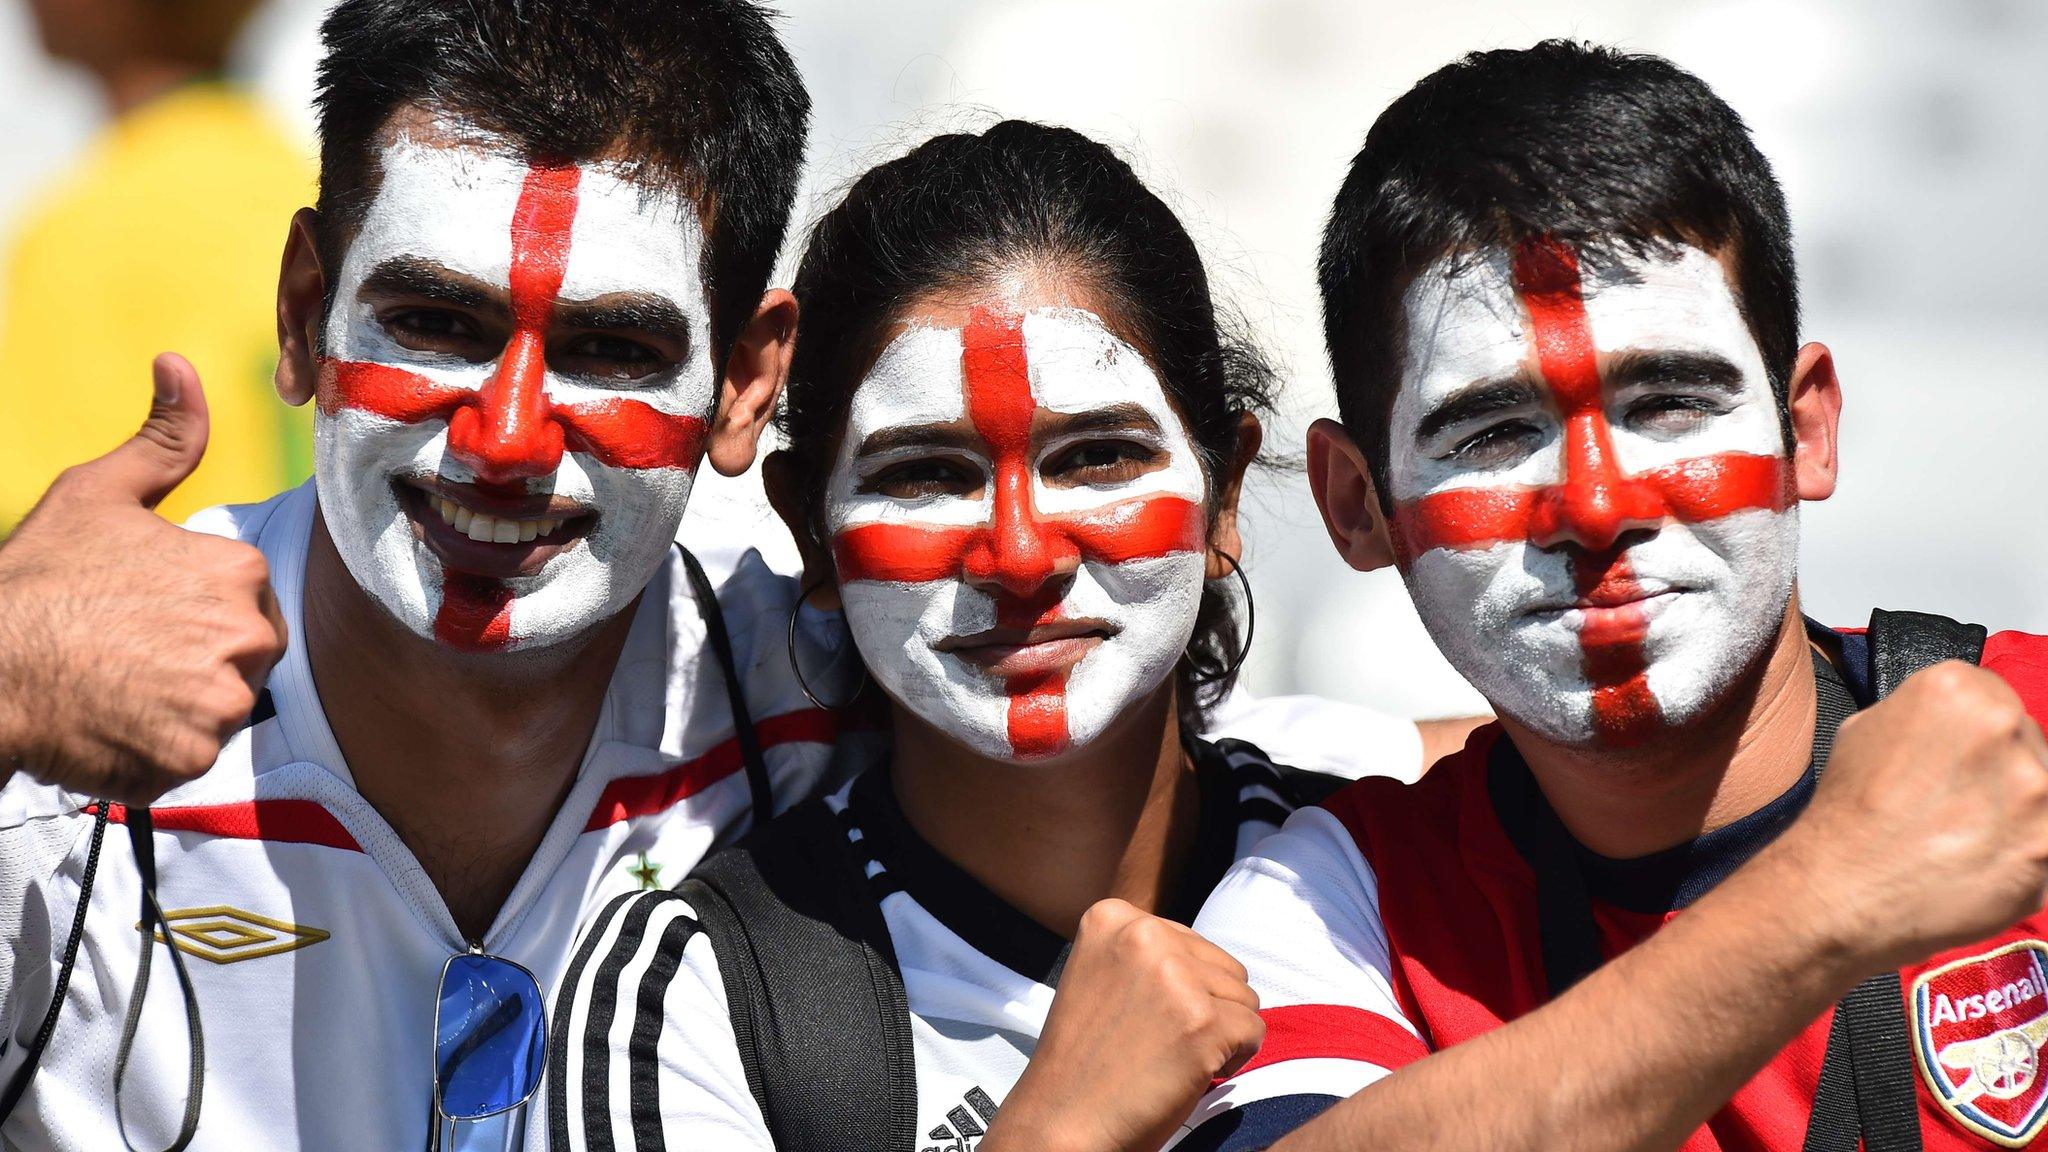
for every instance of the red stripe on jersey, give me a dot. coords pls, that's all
(1333, 1032)
(635, 796)
(273, 821)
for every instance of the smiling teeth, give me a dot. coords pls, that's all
(491, 529)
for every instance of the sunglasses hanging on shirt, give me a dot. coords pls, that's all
(490, 1042)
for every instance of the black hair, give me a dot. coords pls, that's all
(955, 214)
(698, 96)
(1609, 151)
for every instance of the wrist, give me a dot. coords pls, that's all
(1829, 929)
(14, 693)
(1021, 1125)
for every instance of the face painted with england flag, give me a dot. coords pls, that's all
(514, 390)
(1593, 509)
(1017, 518)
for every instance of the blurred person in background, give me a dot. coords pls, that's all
(163, 236)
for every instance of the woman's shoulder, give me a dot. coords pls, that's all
(1317, 734)
(647, 959)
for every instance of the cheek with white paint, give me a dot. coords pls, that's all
(1499, 605)
(629, 448)
(908, 566)
(1465, 324)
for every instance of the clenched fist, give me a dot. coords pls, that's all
(1147, 1014)
(1930, 825)
(130, 649)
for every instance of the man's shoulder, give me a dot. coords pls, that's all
(246, 522)
(1318, 734)
(2021, 660)
(24, 800)
(1380, 812)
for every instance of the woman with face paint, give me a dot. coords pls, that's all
(1016, 437)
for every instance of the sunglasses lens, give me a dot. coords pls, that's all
(490, 1039)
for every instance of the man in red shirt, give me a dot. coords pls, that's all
(1562, 315)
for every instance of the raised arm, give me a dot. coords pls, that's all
(1947, 778)
(129, 647)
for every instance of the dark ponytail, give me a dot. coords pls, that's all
(961, 210)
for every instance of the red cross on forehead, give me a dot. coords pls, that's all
(509, 430)
(1020, 550)
(1594, 502)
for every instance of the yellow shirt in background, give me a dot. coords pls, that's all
(165, 238)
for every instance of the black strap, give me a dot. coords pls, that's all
(735, 690)
(1564, 909)
(142, 838)
(1902, 643)
(18, 1086)
(811, 984)
(1866, 1078)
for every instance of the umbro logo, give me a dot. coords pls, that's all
(227, 935)
(962, 1127)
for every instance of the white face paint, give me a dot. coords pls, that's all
(1017, 514)
(500, 463)
(1602, 552)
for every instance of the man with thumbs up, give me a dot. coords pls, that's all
(151, 642)
(463, 685)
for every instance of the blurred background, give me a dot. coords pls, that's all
(1908, 137)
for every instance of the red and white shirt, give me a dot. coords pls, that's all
(1396, 920)
(313, 938)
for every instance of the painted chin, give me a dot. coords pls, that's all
(484, 534)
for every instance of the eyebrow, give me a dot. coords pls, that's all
(1109, 418)
(416, 276)
(628, 311)
(956, 435)
(1696, 369)
(1482, 398)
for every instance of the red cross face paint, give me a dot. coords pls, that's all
(1593, 508)
(1017, 517)
(512, 400)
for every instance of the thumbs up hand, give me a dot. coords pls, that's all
(130, 648)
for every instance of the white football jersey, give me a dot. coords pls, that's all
(313, 938)
(647, 1050)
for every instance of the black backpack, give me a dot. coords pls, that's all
(812, 982)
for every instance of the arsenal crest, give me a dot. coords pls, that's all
(1979, 1024)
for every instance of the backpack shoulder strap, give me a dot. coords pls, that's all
(735, 692)
(811, 983)
(1902, 643)
(1305, 788)
(1300, 787)
(1866, 1078)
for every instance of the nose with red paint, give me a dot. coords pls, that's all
(510, 434)
(1018, 556)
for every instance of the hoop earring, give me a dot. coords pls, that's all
(796, 668)
(1251, 623)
